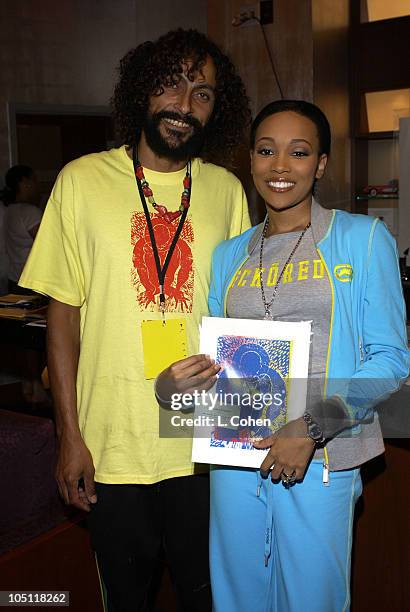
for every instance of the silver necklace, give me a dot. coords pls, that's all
(268, 305)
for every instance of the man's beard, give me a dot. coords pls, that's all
(178, 146)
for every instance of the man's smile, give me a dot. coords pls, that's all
(177, 124)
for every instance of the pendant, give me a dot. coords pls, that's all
(268, 315)
(169, 217)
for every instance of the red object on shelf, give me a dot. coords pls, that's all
(392, 187)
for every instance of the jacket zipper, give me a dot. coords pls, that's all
(325, 474)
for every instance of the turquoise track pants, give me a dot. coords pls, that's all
(277, 549)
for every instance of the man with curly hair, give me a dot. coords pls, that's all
(125, 259)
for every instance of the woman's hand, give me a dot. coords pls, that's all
(289, 453)
(197, 372)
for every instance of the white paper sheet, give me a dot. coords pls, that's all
(262, 386)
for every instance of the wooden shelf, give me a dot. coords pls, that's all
(377, 197)
(377, 135)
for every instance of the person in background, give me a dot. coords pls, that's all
(126, 244)
(21, 195)
(20, 221)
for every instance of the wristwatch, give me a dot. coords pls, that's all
(313, 430)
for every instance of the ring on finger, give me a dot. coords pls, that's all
(288, 479)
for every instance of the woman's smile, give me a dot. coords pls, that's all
(280, 185)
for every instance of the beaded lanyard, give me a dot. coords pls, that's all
(146, 192)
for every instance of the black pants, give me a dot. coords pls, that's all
(132, 526)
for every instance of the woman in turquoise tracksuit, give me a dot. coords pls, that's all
(280, 537)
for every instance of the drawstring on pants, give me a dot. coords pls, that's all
(269, 514)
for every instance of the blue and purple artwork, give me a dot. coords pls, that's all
(254, 378)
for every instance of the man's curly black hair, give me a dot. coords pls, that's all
(147, 68)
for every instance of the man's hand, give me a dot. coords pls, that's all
(75, 464)
(74, 459)
(289, 453)
(197, 372)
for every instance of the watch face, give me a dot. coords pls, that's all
(315, 432)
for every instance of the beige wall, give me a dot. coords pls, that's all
(381, 9)
(309, 44)
(66, 52)
(404, 191)
(290, 42)
(158, 16)
(330, 21)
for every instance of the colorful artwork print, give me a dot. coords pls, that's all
(254, 378)
(179, 279)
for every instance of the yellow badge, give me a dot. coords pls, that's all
(344, 273)
(163, 343)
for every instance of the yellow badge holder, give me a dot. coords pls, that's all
(163, 343)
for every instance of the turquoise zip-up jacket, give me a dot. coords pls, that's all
(367, 358)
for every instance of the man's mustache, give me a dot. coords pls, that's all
(177, 117)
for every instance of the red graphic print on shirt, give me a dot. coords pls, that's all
(179, 279)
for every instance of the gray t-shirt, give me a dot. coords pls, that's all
(303, 294)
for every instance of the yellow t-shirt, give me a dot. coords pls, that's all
(93, 251)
